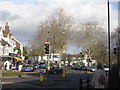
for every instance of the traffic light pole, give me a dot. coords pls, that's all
(48, 67)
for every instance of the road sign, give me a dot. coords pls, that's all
(63, 73)
(41, 76)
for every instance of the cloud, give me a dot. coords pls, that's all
(6, 15)
(24, 17)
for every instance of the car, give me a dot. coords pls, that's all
(79, 67)
(35, 67)
(27, 68)
(74, 66)
(106, 68)
(42, 66)
(55, 70)
(92, 68)
(83, 67)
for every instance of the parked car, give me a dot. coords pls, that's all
(35, 67)
(79, 67)
(27, 68)
(83, 67)
(74, 66)
(92, 68)
(55, 70)
(42, 66)
(106, 68)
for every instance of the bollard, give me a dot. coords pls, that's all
(41, 76)
(87, 82)
(80, 84)
(63, 73)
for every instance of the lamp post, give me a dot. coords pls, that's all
(108, 34)
(53, 45)
(61, 47)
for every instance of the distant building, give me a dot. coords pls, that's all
(89, 63)
(53, 58)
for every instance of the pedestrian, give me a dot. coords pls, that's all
(6, 66)
(99, 79)
(114, 79)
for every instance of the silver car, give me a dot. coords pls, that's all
(92, 68)
(106, 68)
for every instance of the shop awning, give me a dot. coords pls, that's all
(20, 60)
(17, 57)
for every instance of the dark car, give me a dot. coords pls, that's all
(42, 66)
(78, 67)
(55, 70)
(27, 68)
(83, 67)
(35, 67)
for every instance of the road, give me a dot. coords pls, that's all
(55, 81)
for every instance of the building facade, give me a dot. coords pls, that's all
(10, 47)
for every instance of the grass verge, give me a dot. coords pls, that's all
(12, 73)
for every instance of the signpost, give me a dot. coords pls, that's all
(41, 76)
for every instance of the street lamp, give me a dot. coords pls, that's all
(108, 34)
(63, 32)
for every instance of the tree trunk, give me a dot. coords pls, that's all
(60, 55)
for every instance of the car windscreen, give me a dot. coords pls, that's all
(106, 66)
(26, 66)
(93, 67)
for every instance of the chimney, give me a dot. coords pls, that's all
(7, 31)
(6, 26)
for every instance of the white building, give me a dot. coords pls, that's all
(1, 46)
(8, 44)
(91, 62)
(54, 57)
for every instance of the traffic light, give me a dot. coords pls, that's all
(114, 51)
(47, 48)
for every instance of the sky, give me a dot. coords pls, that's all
(24, 16)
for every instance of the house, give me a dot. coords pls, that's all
(11, 50)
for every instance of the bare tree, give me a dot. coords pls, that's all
(93, 37)
(54, 29)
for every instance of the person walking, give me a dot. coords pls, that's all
(99, 79)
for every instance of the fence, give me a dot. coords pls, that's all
(84, 83)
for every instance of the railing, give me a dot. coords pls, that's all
(84, 83)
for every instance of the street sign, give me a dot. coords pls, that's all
(63, 73)
(41, 76)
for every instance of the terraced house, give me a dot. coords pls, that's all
(11, 50)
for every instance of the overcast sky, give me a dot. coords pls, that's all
(24, 16)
